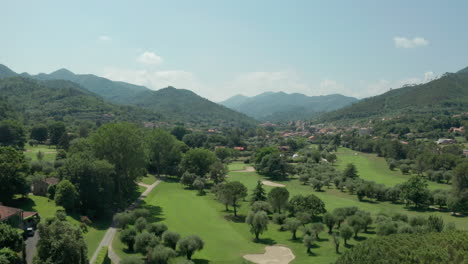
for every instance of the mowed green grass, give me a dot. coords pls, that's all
(149, 179)
(47, 208)
(373, 168)
(227, 241)
(49, 152)
(236, 166)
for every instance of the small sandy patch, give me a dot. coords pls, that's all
(273, 184)
(247, 169)
(272, 255)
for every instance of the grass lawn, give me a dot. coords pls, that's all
(49, 152)
(236, 166)
(227, 241)
(149, 179)
(47, 208)
(373, 168)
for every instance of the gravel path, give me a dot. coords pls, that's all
(110, 234)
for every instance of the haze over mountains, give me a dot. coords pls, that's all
(169, 104)
(281, 106)
(448, 94)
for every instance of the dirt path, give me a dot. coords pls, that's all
(273, 184)
(112, 230)
(272, 255)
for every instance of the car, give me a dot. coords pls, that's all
(30, 231)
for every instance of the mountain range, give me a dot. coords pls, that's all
(280, 106)
(445, 95)
(169, 104)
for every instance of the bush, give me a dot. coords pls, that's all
(103, 257)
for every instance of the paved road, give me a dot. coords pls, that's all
(111, 231)
(31, 243)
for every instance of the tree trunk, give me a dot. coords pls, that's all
(227, 208)
(308, 250)
(316, 236)
(294, 235)
(235, 211)
(337, 248)
(189, 255)
(256, 236)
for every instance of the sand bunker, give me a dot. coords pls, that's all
(273, 184)
(272, 255)
(246, 169)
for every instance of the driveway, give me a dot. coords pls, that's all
(31, 243)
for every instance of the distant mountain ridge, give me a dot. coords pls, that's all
(280, 106)
(176, 105)
(448, 94)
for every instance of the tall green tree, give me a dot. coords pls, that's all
(188, 245)
(10, 238)
(458, 200)
(165, 152)
(66, 195)
(350, 171)
(13, 168)
(60, 243)
(258, 193)
(56, 131)
(198, 161)
(309, 204)
(258, 222)
(232, 193)
(278, 198)
(415, 190)
(12, 133)
(122, 145)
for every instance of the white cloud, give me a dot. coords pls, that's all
(156, 80)
(407, 43)
(104, 38)
(151, 58)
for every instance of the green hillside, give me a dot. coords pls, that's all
(281, 106)
(186, 106)
(448, 94)
(63, 101)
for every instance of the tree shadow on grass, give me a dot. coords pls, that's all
(360, 238)
(265, 241)
(24, 203)
(200, 261)
(349, 246)
(235, 219)
(321, 239)
(156, 212)
(368, 201)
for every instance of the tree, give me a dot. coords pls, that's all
(232, 193)
(223, 153)
(179, 132)
(56, 131)
(157, 228)
(278, 198)
(336, 241)
(329, 220)
(258, 222)
(218, 172)
(66, 195)
(60, 243)
(12, 134)
(170, 239)
(435, 223)
(39, 133)
(308, 242)
(8, 256)
(415, 190)
(140, 224)
(10, 238)
(366, 219)
(356, 223)
(127, 236)
(93, 179)
(144, 241)
(309, 204)
(292, 224)
(160, 255)
(258, 193)
(274, 165)
(195, 140)
(346, 232)
(188, 245)
(188, 178)
(122, 220)
(164, 152)
(199, 184)
(350, 171)
(458, 200)
(261, 206)
(198, 161)
(12, 173)
(122, 145)
(317, 228)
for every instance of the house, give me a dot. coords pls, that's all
(239, 148)
(446, 141)
(17, 217)
(465, 152)
(311, 138)
(41, 187)
(283, 148)
(457, 130)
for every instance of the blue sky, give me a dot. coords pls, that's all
(222, 48)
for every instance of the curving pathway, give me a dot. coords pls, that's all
(112, 230)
